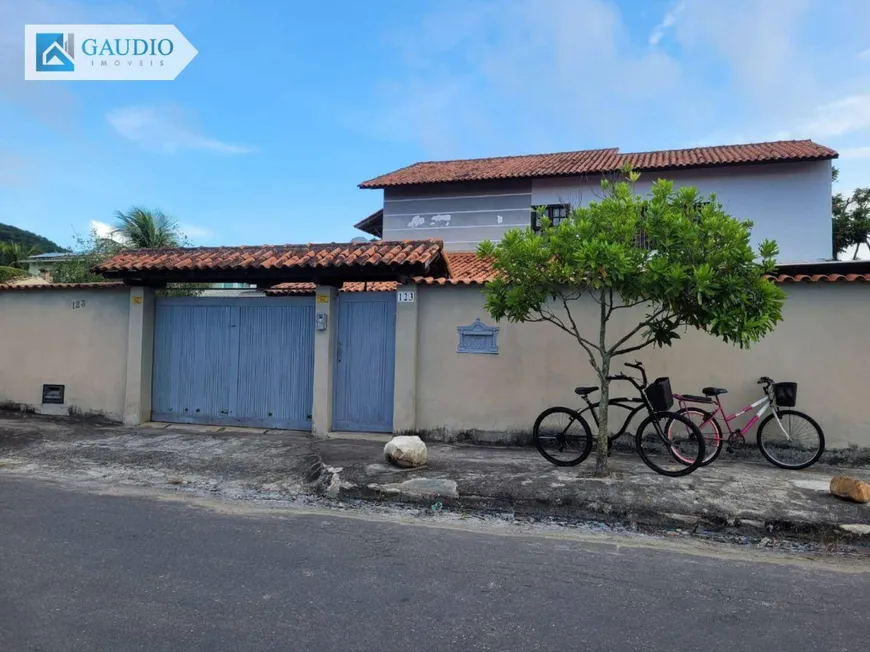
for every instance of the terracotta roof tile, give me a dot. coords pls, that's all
(375, 286)
(598, 161)
(109, 285)
(465, 268)
(783, 150)
(296, 289)
(822, 278)
(364, 254)
(291, 289)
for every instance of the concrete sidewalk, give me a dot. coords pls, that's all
(743, 495)
(238, 464)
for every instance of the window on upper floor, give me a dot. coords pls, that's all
(642, 239)
(555, 212)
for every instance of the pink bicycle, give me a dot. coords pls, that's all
(787, 438)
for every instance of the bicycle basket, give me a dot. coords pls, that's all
(660, 395)
(785, 394)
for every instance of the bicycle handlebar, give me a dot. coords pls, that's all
(634, 381)
(637, 364)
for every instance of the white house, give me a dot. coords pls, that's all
(784, 187)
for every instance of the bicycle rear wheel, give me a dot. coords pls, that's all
(799, 443)
(710, 430)
(562, 436)
(670, 444)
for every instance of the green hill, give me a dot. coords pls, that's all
(26, 238)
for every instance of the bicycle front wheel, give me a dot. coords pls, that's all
(670, 444)
(562, 436)
(709, 428)
(795, 441)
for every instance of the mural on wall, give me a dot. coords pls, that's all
(477, 338)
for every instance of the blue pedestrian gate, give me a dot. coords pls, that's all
(365, 362)
(239, 361)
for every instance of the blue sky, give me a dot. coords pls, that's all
(289, 105)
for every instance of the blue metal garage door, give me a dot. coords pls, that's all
(234, 361)
(365, 362)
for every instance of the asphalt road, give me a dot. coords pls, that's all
(94, 572)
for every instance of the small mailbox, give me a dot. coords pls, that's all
(53, 394)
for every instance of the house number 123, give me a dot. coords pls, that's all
(80, 303)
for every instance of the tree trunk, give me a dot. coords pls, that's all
(602, 449)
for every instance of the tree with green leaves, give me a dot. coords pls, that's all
(94, 250)
(851, 220)
(13, 254)
(90, 251)
(672, 259)
(142, 228)
(9, 274)
(137, 228)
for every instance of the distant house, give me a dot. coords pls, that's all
(42, 265)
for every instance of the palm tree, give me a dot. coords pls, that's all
(141, 228)
(13, 254)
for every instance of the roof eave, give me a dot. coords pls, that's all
(269, 277)
(374, 184)
(373, 224)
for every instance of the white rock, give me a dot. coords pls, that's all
(856, 528)
(406, 451)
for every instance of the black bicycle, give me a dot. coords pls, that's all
(667, 442)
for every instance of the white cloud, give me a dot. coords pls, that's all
(192, 231)
(757, 43)
(167, 128)
(104, 231)
(475, 78)
(838, 118)
(668, 21)
(854, 152)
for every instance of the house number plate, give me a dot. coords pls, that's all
(405, 296)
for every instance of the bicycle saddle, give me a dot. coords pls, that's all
(714, 391)
(697, 399)
(583, 391)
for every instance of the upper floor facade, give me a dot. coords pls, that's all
(784, 188)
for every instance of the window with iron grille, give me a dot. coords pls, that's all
(641, 239)
(555, 212)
